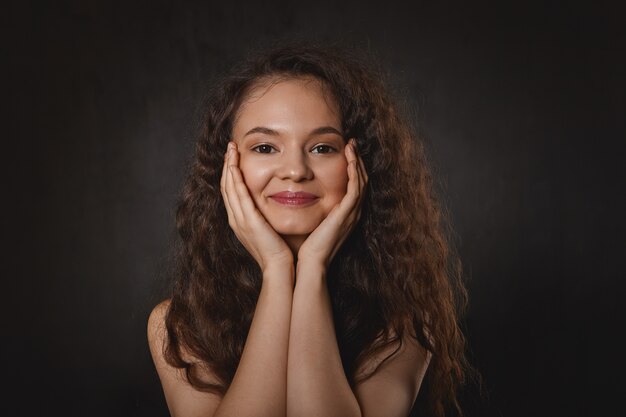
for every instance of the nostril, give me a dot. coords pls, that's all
(296, 171)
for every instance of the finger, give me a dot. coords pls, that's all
(362, 181)
(245, 200)
(225, 175)
(352, 193)
(363, 177)
(245, 205)
(356, 174)
(224, 169)
(360, 163)
(233, 197)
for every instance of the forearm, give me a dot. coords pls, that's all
(260, 382)
(317, 384)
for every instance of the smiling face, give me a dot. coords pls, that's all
(292, 154)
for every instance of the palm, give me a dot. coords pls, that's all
(324, 242)
(251, 228)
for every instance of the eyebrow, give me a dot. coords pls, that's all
(267, 131)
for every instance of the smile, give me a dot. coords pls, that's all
(298, 199)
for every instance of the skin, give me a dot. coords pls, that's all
(290, 364)
(289, 138)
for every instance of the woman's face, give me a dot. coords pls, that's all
(290, 141)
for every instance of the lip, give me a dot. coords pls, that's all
(298, 198)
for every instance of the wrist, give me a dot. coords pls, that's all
(279, 271)
(278, 262)
(309, 269)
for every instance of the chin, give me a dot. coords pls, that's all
(294, 231)
(293, 228)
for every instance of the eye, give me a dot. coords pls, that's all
(323, 149)
(263, 148)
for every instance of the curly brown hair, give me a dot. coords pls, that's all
(395, 273)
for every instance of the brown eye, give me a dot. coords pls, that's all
(264, 148)
(323, 149)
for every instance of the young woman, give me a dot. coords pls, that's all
(314, 273)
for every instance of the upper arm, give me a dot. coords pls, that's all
(392, 389)
(183, 400)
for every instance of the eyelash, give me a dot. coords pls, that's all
(257, 147)
(330, 148)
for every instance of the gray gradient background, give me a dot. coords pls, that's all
(522, 109)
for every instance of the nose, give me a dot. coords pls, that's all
(294, 166)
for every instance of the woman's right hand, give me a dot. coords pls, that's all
(249, 225)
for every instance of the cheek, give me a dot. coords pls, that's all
(335, 178)
(255, 175)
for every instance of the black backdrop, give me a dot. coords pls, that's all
(522, 108)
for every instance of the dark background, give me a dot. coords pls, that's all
(521, 105)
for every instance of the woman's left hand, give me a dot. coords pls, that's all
(323, 243)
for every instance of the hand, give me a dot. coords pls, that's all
(323, 243)
(249, 225)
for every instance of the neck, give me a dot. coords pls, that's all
(294, 242)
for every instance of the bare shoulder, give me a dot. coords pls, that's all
(156, 326)
(393, 387)
(182, 399)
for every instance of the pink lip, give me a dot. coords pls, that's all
(289, 198)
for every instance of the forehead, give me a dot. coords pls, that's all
(301, 97)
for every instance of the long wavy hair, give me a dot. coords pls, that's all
(395, 273)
